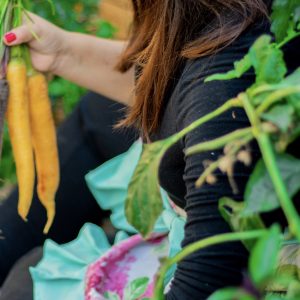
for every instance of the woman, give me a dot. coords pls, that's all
(174, 46)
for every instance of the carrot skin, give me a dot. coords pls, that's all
(44, 144)
(20, 133)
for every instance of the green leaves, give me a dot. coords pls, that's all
(143, 203)
(136, 289)
(285, 16)
(281, 116)
(106, 30)
(111, 296)
(240, 68)
(231, 211)
(133, 291)
(264, 256)
(262, 267)
(267, 61)
(260, 195)
(230, 294)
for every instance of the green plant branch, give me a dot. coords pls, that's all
(30, 70)
(215, 240)
(219, 142)
(275, 97)
(287, 40)
(226, 106)
(252, 92)
(16, 51)
(3, 7)
(269, 158)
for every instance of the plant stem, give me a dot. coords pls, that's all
(269, 158)
(275, 97)
(287, 40)
(27, 59)
(252, 92)
(215, 240)
(219, 142)
(226, 106)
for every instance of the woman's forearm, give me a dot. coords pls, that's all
(86, 60)
(90, 62)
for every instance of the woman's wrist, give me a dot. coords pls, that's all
(64, 57)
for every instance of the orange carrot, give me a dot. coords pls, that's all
(20, 133)
(44, 144)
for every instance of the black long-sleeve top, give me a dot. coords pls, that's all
(190, 98)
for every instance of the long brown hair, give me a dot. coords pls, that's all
(165, 32)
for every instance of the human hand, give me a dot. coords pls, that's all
(48, 50)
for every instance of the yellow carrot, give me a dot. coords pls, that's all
(20, 133)
(44, 144)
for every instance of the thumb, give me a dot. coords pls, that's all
(17, 36)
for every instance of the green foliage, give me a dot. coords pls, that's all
(111, 296)
(240, 68)
(230, 294)
(60, 88)
(281, 116)
(136, 288)
(267, 61)
(264, 256)
(262, 265)
(272, 106)
(143, 203)
(7, 165)
(286, 18)
(232, 211)
(133, 291)
(260, 195)
(294, 290)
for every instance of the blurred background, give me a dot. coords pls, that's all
(103, 18)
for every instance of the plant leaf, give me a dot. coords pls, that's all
(293, 80)
(260, 195)
(143, 203)
(231, 212)
(111, 296)
(275, 297)
(240, 68)
(264, 256)
(281, 116)
(136, 288)
(285, 15)
(294, 290)
(267, 61)
(230, 294)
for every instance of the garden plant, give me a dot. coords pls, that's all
(272, 105)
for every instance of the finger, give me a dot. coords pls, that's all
(18, 36)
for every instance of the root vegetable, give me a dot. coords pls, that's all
(20, 133)
(44, 144)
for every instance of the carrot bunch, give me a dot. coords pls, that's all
(31, 129)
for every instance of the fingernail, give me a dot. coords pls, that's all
(10, 37)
